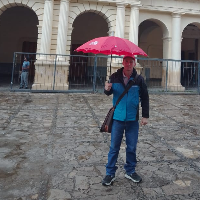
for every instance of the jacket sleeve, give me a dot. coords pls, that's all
(144, 97)
(108, 92)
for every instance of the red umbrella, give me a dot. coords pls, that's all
(111, 45)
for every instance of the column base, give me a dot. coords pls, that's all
(39, 86)
(175, 88)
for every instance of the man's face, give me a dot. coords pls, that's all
(25, 58)
(128, 64)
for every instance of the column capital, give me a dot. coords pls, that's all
(121, 5)
(136, 4)
(177, 13)
(48, 1)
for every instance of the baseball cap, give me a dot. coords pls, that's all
(129, 56)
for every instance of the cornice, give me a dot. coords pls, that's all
(171, 6)
(171, 10)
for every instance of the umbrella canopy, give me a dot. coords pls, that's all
(111, 45)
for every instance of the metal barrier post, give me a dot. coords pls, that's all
(95, 74)
(166, 76)
(11, 84)
(199, 77)
(54, 78)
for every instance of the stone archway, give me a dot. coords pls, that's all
(152, 34)
(190, 42)
(86, 26)
(190, 50)
(152, 39)
(19, 33)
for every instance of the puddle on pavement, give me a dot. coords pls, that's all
(8, 168)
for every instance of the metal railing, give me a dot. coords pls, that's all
(88, 73)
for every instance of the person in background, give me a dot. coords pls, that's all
(24, 73)
(125, 118)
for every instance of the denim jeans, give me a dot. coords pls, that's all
(131, 129)
(24, 79)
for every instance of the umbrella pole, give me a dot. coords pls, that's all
(110, 68)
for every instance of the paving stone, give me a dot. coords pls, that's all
(51, 148)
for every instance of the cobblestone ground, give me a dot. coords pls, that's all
(51, 149)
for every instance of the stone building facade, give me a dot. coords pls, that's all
(167, 29)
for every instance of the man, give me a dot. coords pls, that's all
(24, 74)
(126, 116)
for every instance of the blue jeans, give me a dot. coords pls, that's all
(24, 79)
(131, 129)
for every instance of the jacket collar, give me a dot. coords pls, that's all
(120, 74)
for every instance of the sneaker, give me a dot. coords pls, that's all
(134, 177)
(20, 87)
(108, 180)
(26, 87)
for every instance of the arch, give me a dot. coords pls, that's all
(190, 41)
(148, 30)
(14, 20)
(86, 26)
(36, 7)
(190, 46)
(93, 20)
(186, 20)
(106, 11)
(98, 13)
(163, 26)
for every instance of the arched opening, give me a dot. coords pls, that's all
(151, 41)
(18, 33)
(190, 51)
(85, 27)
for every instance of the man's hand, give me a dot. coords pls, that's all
(144, 121)
(108, 86)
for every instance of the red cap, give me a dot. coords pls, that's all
(129, 56)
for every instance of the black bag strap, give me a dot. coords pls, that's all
(126, 90)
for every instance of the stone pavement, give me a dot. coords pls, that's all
(51, 149)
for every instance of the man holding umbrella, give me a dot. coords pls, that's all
(125, 119)
(126, 114)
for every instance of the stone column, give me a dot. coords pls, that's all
(134, 22)
(119, 32)
(62, 68)
(62, 27)
(120, 20)
(176, 36)
(174, 71)
(166, 55)
(47, 27)
(133, 28)
(45, 65)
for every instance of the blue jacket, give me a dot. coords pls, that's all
(128, 107)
